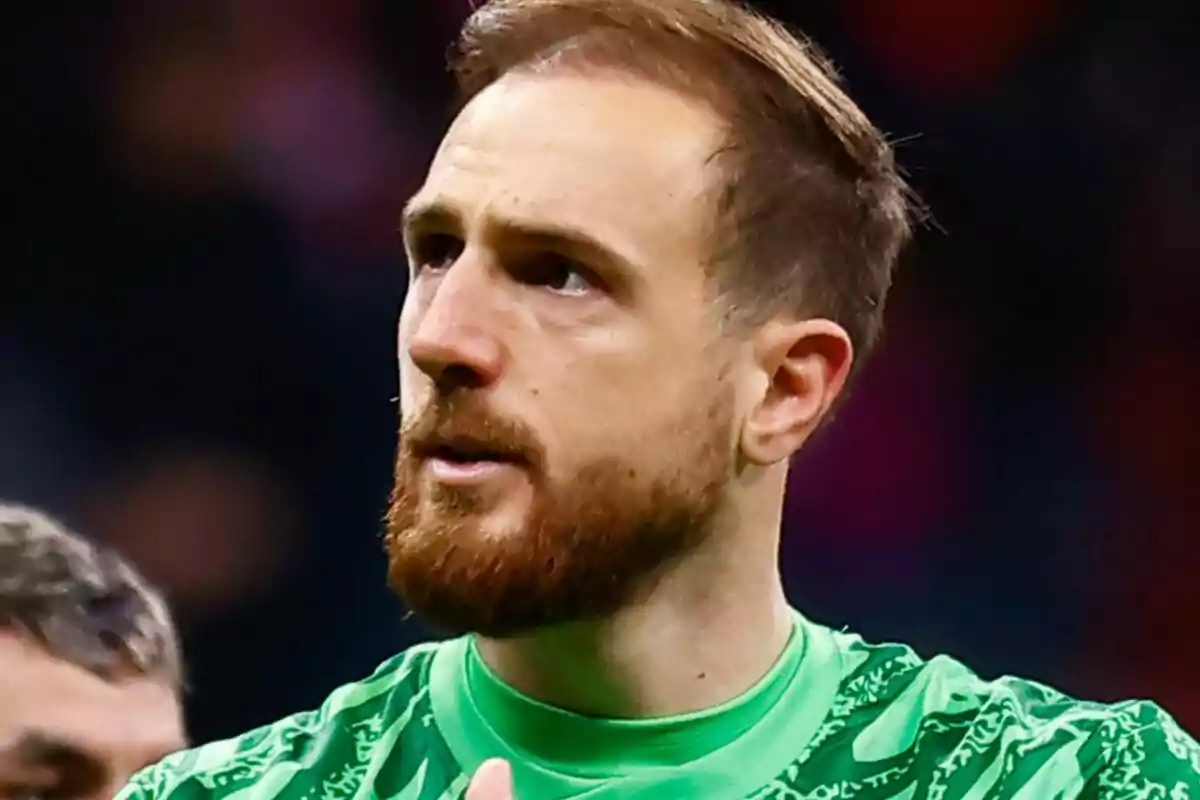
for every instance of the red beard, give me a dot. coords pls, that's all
(587, 548)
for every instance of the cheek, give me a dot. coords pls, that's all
(409, 378)
(615, 409)
(411, 381)
(407, 319)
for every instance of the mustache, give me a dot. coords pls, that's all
(465, 425)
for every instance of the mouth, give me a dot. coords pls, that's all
(465, 451)
(467, 464)
(464, 461)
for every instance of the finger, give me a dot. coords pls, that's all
(492, 781)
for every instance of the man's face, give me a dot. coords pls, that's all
(65, 732)
(567, 416)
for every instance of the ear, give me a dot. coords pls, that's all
(806, 364)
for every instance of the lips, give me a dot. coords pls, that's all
(462, 450)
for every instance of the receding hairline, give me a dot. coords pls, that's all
(687, 134)
(504, 35)
(753, 72)
(813, 213)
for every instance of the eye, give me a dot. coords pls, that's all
(559, 274)
(22, 792)
(39, 784)
(435, 251)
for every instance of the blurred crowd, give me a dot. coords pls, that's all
(197, 344)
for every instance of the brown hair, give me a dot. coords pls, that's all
(82, 604)
(813, 213)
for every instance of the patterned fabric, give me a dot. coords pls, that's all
(898, 727)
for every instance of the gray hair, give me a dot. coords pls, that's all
(82, 603)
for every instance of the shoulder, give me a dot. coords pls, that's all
(1141, 751)
(353, 715)
(1006, 735)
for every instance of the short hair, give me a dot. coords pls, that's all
(812, 211)
(81, 603)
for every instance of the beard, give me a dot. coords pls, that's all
(588, 546)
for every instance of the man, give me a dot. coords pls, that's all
(89, 666)
(643, 260)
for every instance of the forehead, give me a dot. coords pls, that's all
(42, 695)
(621, 158)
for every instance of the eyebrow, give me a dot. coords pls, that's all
(422, 215)
(38, 746)
(35, 745)
(37, 749)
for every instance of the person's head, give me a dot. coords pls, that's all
(648, 254)
(89, 665)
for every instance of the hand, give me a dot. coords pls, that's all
(493, 781)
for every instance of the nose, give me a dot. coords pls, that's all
(451, 341)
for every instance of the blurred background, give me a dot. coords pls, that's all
(197, 331)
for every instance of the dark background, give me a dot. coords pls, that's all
(197, 331)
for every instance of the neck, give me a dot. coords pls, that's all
(710, 629)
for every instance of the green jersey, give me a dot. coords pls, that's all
(835, 718)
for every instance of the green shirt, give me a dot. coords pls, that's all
(835, 718)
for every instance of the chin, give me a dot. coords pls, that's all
(508, 521)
